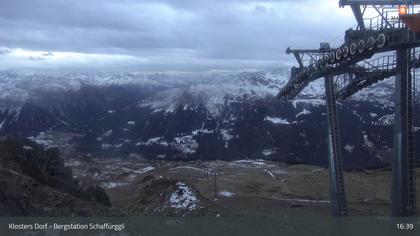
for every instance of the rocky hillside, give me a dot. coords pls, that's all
(34, 182)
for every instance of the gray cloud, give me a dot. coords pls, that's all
(48, 54)
(35, 58)
(222, 31)
(4, 50)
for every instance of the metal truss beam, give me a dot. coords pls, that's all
(296, 82)
(366, 79)
(358, 14)
(361, 81)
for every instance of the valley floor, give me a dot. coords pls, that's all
(243, 188)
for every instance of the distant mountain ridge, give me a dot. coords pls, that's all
(212, 115)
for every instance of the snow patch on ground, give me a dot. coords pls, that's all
(366, 141)
(144, 170)
(304, 200)
(185, 144)
(304, 101)
(226, 194)
(386, 120)
(277, 120)
(27, 147)
(153, 141)
(106, 146)
(107, 133)
(250, 163)
(54, 139)
(304, 112)
(202, 131)
(188, 167)
(183, 198)
(268, 152)
(358, 116)
(113, 185)
(42, 139)
(226, 136)
(349, 148)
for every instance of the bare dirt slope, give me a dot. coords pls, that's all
(247, 187)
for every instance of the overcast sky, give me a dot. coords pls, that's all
(162, 35)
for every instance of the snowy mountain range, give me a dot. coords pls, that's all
(210, 115)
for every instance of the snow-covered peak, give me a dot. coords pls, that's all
(217, 90)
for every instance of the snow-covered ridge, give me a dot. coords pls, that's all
(212, 90)
(18, 87)
(216, 92)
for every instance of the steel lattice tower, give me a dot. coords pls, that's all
(352, 63)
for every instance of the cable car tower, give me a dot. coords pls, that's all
(380, 47)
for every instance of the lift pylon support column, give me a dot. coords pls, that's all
(403, 200)
(335, 162)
